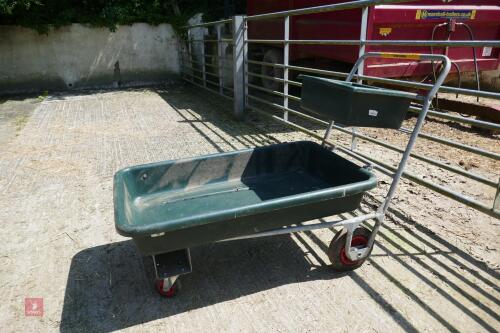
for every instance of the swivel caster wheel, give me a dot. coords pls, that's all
(171, 292)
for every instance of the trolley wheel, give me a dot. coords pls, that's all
(169, 293)
(336, 250)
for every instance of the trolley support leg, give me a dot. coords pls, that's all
(168, 268)
(327, 133)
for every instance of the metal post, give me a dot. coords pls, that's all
(362, 40)
(239, 64)
(190, 53)
(203, 67)
(220, 55)
(496, 203)
(362, 50)
(245, 58)
(286, 54)
(182, 54)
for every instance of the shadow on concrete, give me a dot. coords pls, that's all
(413, 241)
(199, 112)
(422, 238)
(110, 287)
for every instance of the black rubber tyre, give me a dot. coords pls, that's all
(336, 250)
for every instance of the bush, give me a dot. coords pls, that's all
(42, 14)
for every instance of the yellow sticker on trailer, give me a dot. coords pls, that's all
(412, 56)
(385, 31)
(437, 14)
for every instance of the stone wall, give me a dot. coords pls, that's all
(78, 56)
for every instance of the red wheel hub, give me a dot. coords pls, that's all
(169, 293)
(356, 241)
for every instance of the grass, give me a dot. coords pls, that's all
(21, 122)
(43, 95)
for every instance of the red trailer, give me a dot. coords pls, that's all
(420, 20)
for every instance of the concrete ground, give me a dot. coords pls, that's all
(434, 266)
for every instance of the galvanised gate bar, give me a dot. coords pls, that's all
(226, 72)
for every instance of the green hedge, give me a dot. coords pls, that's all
(42, 14)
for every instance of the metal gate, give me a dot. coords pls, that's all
(214, 56)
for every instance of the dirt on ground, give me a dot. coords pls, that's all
(494, 103)
(14, 115)
(434, 266)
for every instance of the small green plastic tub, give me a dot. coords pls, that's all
(179, 204)
(353, 104)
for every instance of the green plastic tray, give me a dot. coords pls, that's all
(179, 204)
(353, 104)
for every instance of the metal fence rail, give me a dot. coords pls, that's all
(395, 82)
(231, 34)
(324, 8)
(345, 42)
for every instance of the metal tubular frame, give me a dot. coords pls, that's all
(451, 143)
(212, 40)
(220, 54)
(208, 24)
(307, 227)
(361, 69)
(324, 8)
(286, 56)
(420, 120)
(239, 55)
(437, 114)
(356, 253)
(396, 82)
(203, 66)
(290, 82)
(451, 43)
(387, 169)
(241, 86)
(362, 42)
(462, 172)
(218, 68)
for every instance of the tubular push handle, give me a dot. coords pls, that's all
(411, 56)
